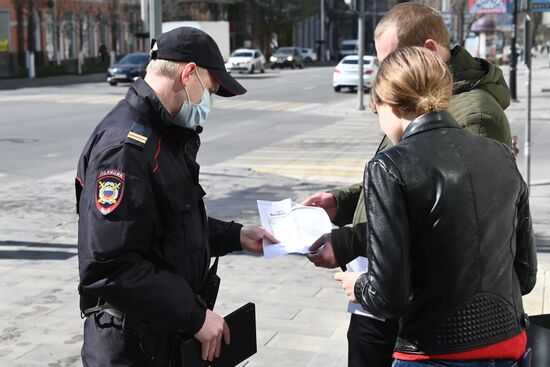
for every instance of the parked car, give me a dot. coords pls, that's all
(348, 47)
(346, 72)
(287, 56)
(308, 54)
(246, 60)
(128, 69)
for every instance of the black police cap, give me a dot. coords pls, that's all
(188, 44)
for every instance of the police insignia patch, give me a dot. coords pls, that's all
(109, 190)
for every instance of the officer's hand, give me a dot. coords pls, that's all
(348, 280)
(252, 236)
(321, 253)
(210, 335)
(323, 200)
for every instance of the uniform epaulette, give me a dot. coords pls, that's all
(138, 135)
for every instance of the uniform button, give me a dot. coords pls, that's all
(187, 206)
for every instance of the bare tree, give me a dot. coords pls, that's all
(31, 26)
(537, 23)
(459, 8)
(81, 9)
(114, 17)
(59, 8)
(436, 4)
(279, 16)
(19, 6)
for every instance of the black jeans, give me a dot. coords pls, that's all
(371, 342)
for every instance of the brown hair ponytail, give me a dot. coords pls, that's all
(415, 80)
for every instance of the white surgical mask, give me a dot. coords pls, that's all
(191, 114)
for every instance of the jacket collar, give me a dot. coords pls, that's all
(429, 121)
(142, 97)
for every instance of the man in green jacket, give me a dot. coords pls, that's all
(480, 95)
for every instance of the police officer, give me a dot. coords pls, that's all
(144, 238)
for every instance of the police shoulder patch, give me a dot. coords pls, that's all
(109, 190)
(138, 135)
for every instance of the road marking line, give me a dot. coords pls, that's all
(333, 153)
(286, 106)
(327, 165)
(113, 99)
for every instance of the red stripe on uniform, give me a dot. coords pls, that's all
(79, 181)
(157, 154)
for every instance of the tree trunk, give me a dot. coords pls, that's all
(31, 42)
(18, 5)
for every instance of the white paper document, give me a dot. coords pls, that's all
(360, 264)
(296, 226)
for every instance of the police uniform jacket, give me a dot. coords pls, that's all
(144, 239)
(448, 237)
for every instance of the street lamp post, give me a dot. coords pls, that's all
(528, 72)
(361, 41)
(514, 53)
(155, 18)
(322, 35)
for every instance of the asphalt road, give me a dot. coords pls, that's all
(42, 130)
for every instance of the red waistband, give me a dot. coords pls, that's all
(512, 348)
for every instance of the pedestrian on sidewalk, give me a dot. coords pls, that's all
(144, 238)
(449, 235)
(103, 53)
(480, 95)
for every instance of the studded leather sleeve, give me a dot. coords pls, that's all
(525, 261)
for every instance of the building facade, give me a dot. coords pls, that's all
(61, 31)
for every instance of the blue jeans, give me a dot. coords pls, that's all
(441, 363)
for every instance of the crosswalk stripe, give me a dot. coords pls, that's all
(303, 160)
(336, 153)
(63, 98)
(328, 173)
(113, 99)
(287, 106)
(327, 165)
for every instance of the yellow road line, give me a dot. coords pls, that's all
(307, 172)
(267, 162)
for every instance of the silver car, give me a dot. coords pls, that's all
(246, 60)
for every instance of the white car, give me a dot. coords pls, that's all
(308, 54)
(346, 72)
(246, 60)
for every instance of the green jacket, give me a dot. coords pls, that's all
(480, 95)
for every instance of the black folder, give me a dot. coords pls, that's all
(242, 326)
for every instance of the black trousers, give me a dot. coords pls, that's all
(371, 342)
(106, 344)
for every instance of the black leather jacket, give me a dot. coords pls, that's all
(449, 239)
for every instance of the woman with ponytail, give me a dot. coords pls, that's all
(449, 236)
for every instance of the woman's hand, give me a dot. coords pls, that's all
(348, 280)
